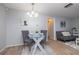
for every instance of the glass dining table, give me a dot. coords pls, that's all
(37, 37)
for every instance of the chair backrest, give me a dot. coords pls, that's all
(25, 35)
(58, 33)
(44, 33)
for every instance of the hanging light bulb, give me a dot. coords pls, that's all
(36, 15)
(28, 13)
(32, 12)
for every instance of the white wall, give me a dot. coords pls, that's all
(75, 23)
(2, 28)
(57, 24)
(14, 25)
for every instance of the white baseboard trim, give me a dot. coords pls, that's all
(14, 45)
(3, 49)
(9, 46)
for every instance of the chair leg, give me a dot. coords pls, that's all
(29, 45)
(42, 45)
(24, 45)
(29, 48)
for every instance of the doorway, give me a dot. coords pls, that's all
(51, 22)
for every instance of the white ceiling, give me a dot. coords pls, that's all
(51, 9)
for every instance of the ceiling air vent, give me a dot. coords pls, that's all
(68, 5)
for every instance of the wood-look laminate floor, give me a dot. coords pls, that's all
(61, 49)
(58, 47)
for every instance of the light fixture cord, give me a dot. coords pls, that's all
(33, 6)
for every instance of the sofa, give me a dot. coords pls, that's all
(60, 37)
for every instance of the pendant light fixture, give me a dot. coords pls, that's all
(32, 13)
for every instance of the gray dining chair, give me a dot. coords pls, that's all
(43, 42)
(27, 40)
